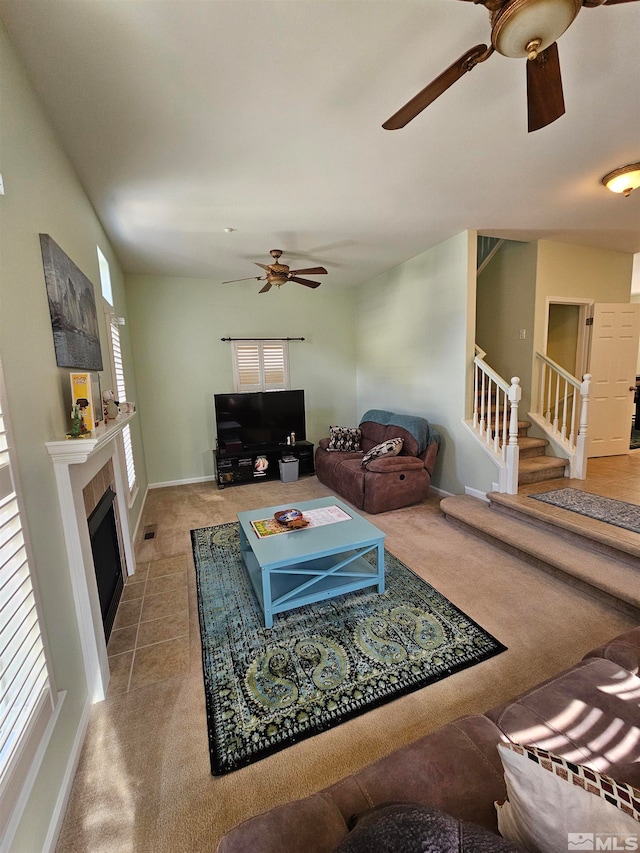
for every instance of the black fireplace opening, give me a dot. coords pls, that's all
(106, 558)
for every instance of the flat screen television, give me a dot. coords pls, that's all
(255, 419)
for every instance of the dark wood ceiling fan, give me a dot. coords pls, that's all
(278, 274)
(519, 29)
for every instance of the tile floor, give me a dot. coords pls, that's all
(610, 476)
(154, 625)
(150, 637)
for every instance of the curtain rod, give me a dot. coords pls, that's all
(261, 339)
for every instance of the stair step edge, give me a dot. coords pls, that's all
(548, 475)
(613, 577)
(599, 534)
(533, 463)
(530, 441)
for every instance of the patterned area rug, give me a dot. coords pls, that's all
(320, 664)
(614, 512)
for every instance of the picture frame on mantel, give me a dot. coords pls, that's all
(72, 307)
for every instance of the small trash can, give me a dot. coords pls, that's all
(289, 469)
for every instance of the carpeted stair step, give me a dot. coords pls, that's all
(605, 577)
(590, 533)
(531, 447)
(539, 468)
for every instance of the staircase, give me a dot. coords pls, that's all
(600, 559)
(535, 465)
(560, 413)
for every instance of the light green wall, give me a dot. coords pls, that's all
(580, 272)
(177, 324)
(514, 291)
(415, 330)
(505, 305)
(43, 195)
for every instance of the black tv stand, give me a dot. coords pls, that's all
(238, 466)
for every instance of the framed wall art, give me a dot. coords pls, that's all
(72, 306)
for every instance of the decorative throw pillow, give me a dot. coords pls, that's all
(414, 828)
(344, 438)
(391, 447)
(554, 804)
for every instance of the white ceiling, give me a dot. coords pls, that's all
(186, 117)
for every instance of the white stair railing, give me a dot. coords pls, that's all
(495, 420)
(561, 410)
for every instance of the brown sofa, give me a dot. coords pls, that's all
(457, 769)
(389, 482)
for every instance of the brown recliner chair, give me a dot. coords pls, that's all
(388, 482)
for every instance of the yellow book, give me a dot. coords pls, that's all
(82, 395)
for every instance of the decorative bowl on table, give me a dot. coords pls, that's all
(291, 518)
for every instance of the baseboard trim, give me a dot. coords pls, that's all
(187, 482)
(55, 825)
(476, 493)
(441, 493)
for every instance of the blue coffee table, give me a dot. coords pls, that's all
(302, 566)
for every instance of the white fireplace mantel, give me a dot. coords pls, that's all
(76, 462)
(75, 451)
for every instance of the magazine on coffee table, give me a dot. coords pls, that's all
(316, 518)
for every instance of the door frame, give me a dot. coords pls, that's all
(583, 345)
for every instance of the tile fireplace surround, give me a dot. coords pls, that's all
(81, 466)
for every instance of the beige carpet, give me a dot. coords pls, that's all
(143, 784)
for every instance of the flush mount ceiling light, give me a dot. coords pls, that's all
(623, 180)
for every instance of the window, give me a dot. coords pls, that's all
(105, 277)
(27, 697)
(260, 366)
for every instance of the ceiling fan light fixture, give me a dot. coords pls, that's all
(623, 180)
(520, 22)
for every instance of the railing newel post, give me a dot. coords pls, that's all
(580, 468)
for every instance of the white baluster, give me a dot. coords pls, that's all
(548, 412)
(574, 418)
(496, 423)
(488, 438)
(475, 396)
(564, 410)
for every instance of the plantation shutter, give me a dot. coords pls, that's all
(260, 365)
(247, 366)
(118, 368)
(121, 395)
(273, 362)
(26, 693)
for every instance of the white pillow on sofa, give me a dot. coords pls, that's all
(554, 804)
(391, 447)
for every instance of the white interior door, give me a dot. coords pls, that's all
(614, 356)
